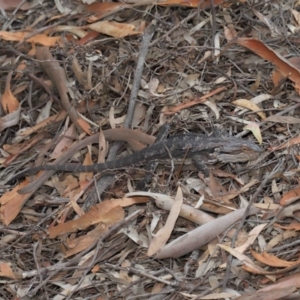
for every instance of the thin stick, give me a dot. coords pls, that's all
(107, 181)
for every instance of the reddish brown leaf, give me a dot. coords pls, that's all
(285, 67)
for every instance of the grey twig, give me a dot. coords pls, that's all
(107, 181)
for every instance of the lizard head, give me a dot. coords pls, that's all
(238, 150)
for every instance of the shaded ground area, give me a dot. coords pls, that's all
(86, 84)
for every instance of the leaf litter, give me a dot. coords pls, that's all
(125, 70)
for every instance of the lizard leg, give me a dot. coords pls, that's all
(220, 133)
(198, 161)
(150, 167)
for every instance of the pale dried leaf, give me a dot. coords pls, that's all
(252, 235)
(229, 33)
(207, 55)
(138, 238)
(139, 114)
(283, 119)
(102, 148)
(243, 258)
(45, 111)
(212, 105)
(251, 106)
(65, 142)
(296, 15)
(10, 119)
(254, 128)
(198, 26)
(164, 234)
(217, 44)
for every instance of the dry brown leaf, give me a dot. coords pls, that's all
(40, 39)
(128, 201)
(267, 206)
(65, 142)
(6, 270)
(56, 73)
(289, 211)
(288, 144)
(102, 212)
(64, 185)
(233, 193)
(9, 4)
(79, 244)
(278, 78)
(8, 101)
(230, 33)
(104, 9)
(18, 149)
(84, 125)
(290, 196)
(221, 173)
(272, 260)
(217, 190)
(117, 30)
(90, 36)
(138, 115)
(12, 202)
(293, 226)
(53, 119)
(12, 4)
(192, 3)
(286, 68)
(243, 258)
(254, 87)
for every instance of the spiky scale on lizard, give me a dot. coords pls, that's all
(213, 148)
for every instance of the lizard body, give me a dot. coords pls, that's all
(195, 146)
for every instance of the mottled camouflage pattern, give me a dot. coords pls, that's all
(213, 148)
